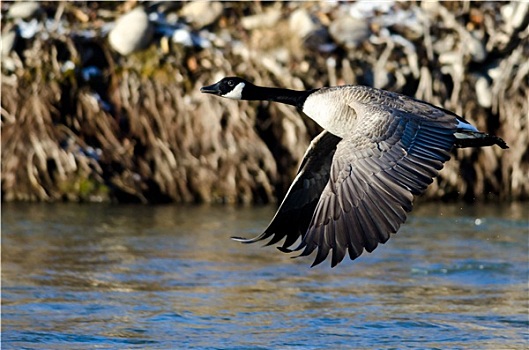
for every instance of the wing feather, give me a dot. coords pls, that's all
(295, 212)
(373, 189)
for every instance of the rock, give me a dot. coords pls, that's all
(514, 13)
(301, 23)
(431, 7)
(450, 58)
(494, 71)
(263, 20)
(182, 36)
(23, 10)
(202, 13)
(132, 32)
(476, 48)
(366, 8)
(484, 92)
(444, 45)
(9, 38)
(349, 32)
(28, 30)
(315, 36)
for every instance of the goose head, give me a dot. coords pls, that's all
(231, 87)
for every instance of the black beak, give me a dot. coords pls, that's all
(211, 89)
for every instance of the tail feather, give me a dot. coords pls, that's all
(466, 138)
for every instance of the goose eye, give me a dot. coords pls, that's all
(230, 83)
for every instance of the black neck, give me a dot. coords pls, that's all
(287, 96)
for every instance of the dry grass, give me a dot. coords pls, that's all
(163, 141)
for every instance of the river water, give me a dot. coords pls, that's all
(168, 277)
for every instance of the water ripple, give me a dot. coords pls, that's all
(89, 277)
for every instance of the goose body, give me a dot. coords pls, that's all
(358, 178)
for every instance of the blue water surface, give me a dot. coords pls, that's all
(168, 277)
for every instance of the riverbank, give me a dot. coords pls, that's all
(85, 118)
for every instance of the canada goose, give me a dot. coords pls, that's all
(357, 180)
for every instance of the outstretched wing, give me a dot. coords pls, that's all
(372, 183)
(295, 212)
(352, 193)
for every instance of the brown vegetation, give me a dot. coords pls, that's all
(143, 132)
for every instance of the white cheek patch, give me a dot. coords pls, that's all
(236, 93)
